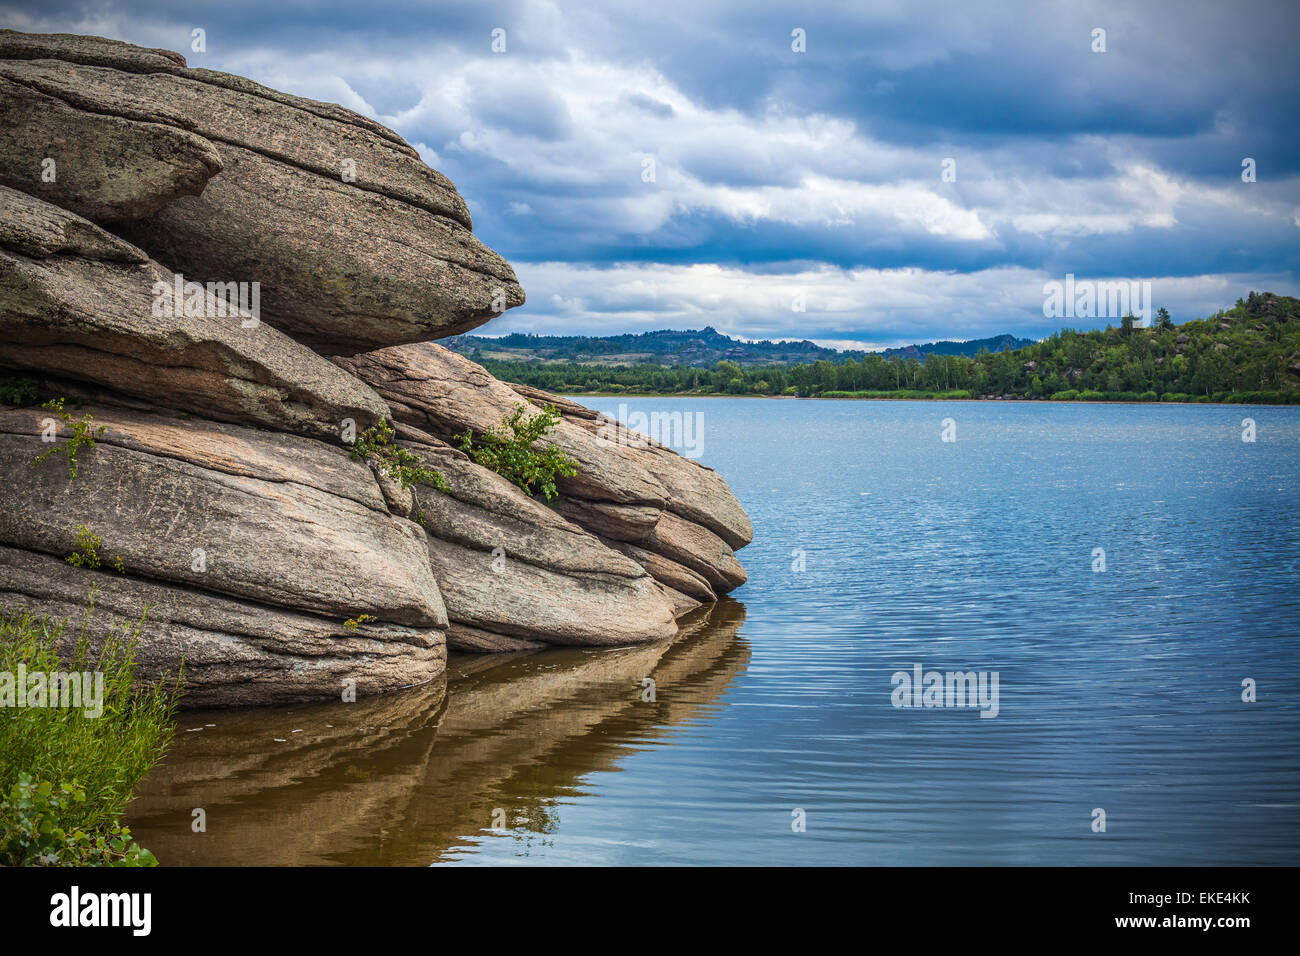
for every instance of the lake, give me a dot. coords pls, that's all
(1123, 569)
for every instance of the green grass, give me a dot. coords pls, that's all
(106, 755)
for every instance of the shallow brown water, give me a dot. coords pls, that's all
(409, 778)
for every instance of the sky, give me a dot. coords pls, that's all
(862, 174)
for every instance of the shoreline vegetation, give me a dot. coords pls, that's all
(933, 397)
(1246, 355)
(78, 733)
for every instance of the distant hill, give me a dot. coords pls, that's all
(1249, 353)
(969, 348)
(701, 348)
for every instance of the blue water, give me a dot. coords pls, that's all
(1118, 690)
(878, 546)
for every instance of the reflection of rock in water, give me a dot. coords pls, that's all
(287, 785)
(403, 779)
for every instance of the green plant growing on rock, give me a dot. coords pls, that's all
(508, 450)
(86, 554)
(376, 445)
(353, 623)
(84, 432)
(17, 391)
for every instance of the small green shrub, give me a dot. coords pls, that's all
(353, 623)
(508, 450)
(1256, 398)
(84, 432)
(33, 830)
(1068, 395)
(86, 554)
(18, 391)
(376, 444)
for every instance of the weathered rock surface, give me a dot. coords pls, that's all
(77, 302)
(356, 243)
(626, 489)
(101, 51)
(668, 572)
(509, 566)
(235, 652)
(97, 51)
(263, 508)
(527, 601)
(342, 269)
(695, 492)
(699, 549)
(255, 546)
(444, 393)
(474, 640)
(202, 102)
(39, 230)
(106, 168)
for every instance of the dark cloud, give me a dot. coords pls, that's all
(773, 162)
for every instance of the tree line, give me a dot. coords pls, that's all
(1249, 353)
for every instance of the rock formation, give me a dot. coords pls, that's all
(226, 285)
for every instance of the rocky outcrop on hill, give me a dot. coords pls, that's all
(215, 480)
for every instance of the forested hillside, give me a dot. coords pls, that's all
(1248, 353)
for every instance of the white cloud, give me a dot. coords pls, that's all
(879, 307)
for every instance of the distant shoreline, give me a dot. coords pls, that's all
(875, 398)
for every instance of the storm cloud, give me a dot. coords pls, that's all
(681, 164)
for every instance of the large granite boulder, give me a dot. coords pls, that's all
(259, 546)
(356, 243)
(516, 574)
(77, 302)
(627, 489)
(234, 651)
(274, 565)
